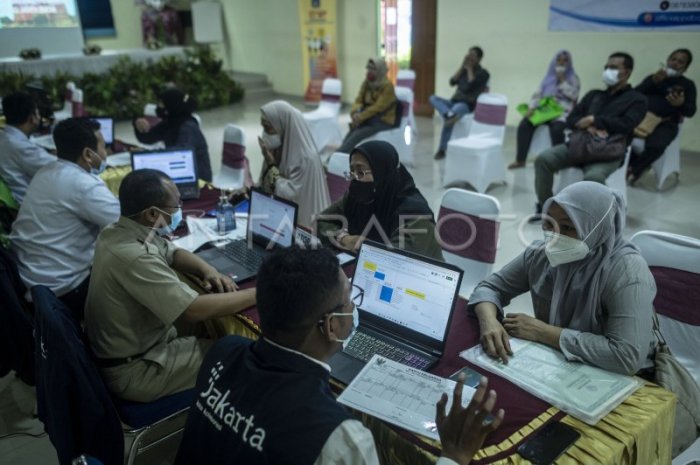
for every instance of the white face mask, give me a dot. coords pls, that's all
(559, 69)
(670, 72)
(561, 249)
(611, 77)
(271, 141)
(355, 323)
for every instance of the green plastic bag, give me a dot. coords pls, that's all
(547, 110)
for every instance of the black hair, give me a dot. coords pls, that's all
(141, 189)
(18, 107)
(479, 51)
(627, 59)
(72, 135)
(293, 286)
(687, 52)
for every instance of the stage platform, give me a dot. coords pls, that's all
(79, 64)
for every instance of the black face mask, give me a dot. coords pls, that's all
(362, 192)
(161, 112)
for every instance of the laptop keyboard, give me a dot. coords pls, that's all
(239, 252)
(364, 346)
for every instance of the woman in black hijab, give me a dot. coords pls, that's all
(382, 204)
(178, 128)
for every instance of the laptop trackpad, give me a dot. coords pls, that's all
(344, 368)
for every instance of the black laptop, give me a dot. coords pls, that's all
(271, 225)
(407, 306)
(178, 163)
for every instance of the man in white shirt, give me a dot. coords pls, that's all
(65, 207)
(20, 158)
(268, 400)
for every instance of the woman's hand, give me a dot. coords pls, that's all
(351, 242)
(142, 125)
(529, 328)
(494, 339)
(523, 326)
(267, 154)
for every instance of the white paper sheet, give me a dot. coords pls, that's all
(119, 159)
(203, 230)
(583, 391)
(400, 395)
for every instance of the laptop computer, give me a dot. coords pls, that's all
(405, 313)
(271, 224)
(178, 163)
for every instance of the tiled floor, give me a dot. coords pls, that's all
(674, 210)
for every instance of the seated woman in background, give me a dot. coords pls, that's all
(560, 82)
(292, 168)
(382, 204)
(374, 109)
(592, 292)
(178, 128)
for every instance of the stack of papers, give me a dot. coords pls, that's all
(203, 230)
(583, 391)
(400, 395)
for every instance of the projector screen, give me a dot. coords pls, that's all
(52, 26)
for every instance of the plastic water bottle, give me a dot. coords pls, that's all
(225, 215)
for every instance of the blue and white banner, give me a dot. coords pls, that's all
(624, 15)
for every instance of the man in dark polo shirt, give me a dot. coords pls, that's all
(269, 401)
(671, 96)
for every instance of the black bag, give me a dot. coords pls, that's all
(585, 148)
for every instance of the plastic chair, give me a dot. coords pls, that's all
(78, 411)
(235, 166)
(338, 165)
(668, 163)
(468, 234)
(406, 78)
(323, 121)
(401, 136)
(478, 158)
(674, 260)
(616, 180)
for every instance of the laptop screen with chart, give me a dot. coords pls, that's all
(409, 292)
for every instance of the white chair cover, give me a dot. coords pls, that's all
(323, 121)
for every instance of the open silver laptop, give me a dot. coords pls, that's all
(406, 309)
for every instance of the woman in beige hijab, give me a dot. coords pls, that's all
(375, 107)
(292, 167)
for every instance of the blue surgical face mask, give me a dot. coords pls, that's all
(99, 170)
(175, 220)
(355, 323)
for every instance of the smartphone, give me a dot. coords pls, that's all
(548, 443)
(471, 377)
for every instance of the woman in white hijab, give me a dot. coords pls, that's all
(592, 292)
(292, 167)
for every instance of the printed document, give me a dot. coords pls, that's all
(583, 391)
(400, 395)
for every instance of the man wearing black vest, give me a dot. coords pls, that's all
(269, 401)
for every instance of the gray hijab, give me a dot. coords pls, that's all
(598, 213)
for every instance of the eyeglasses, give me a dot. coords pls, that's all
(356, 299)
(356, 174)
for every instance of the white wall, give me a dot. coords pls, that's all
(518, 47)
(265, 38)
